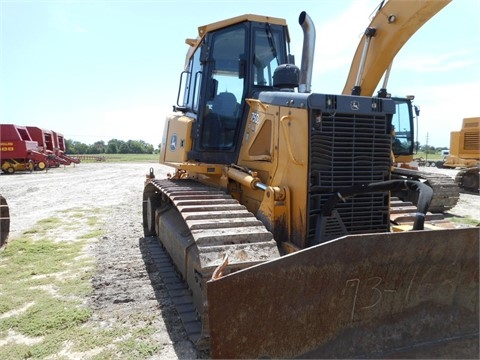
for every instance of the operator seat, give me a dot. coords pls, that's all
(222, 120)
(225, 105)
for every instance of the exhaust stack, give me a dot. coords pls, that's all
(307, 52)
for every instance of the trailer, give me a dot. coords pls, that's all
(18, 152)
(45, 141)
(60, 148)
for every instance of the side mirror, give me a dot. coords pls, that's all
(417, 110)
(203, 53)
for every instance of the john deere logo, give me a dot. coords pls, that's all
(355, 105)
(173, 142)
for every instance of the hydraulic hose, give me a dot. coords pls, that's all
(425, 194)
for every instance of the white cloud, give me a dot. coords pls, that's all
(338, 37)
(140, 122)
(428, 62)
(61, 19)
(443, 108)
(80, 29)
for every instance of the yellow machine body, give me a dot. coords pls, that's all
(278, 214)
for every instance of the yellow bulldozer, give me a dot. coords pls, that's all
(465, 154)
(277, 216)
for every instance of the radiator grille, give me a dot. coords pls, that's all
(348, 150)
(472, 141)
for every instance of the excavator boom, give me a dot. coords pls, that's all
(392, 26)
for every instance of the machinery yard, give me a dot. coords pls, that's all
(126, 285)
(278, 222)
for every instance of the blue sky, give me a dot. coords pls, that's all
(98, 70)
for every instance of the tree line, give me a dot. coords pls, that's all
(113, 146)
(116, 146)
(428, 149)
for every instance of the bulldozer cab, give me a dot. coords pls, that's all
(228, 65)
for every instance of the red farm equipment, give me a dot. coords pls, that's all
(18, 152)
(60, 148)
(45, 141)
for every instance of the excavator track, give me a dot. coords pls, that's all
(468, 179)
(205, 232)
(446, 192)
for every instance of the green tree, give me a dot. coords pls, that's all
(123, 149)
(75, 147)
(114, 146)
(100, 147)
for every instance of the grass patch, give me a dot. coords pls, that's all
(467, 220)
(91, 234)
(44, 289)
(33, 264)
(43, 226)
(92, 220)
(47, 316)
(28, 258)
(136, 346)
(125, 158)
(44, 285)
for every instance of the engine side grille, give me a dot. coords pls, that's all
(349, 149)
(472, 141)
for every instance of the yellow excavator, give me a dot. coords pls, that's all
(392, 25)
(277, 216)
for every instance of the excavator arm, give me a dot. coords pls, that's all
(391, 27)
(394, 22)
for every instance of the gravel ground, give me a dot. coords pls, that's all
(126, 285)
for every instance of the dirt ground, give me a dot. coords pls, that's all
(126, 286)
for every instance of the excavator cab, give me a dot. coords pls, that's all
(403, 127)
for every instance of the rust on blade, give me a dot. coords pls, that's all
(408, 294)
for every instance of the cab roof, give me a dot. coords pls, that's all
(203, 30)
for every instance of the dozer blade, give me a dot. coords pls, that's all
(392, 295)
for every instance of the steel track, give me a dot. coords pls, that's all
(446, 192)
(204, 224)
(177, 289)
